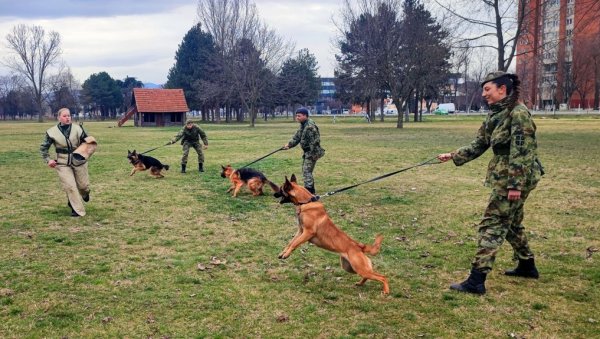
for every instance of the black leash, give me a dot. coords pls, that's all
(155, 148)
(431, 161)
(275, 151)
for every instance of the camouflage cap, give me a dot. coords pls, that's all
(189, 121)
(493, 76)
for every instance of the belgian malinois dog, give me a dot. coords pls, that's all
(143, 162)
(315, 226)
(254, 179)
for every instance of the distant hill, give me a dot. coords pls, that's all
(151, 85)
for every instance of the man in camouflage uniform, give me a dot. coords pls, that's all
(310, 141)
(190, 136)
(513, 173)
(74, 178)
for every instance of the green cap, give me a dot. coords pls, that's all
(493, 76)
(189, 121)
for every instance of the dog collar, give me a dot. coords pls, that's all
(314, 198)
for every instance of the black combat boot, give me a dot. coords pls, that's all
(525, 268)
(200, 167)
(73, 212)
(182, 168)
(311, 189)
(475, 283)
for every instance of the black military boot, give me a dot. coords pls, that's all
(182, 168)
(475, 283)
(525, 268)
(200, 167)
(73, 212)
(311, 189)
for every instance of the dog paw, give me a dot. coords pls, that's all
(282, 256)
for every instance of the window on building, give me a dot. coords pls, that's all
(149, 117)
(176, 117)
(550, 67)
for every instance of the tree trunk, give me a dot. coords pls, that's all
(400, 122)
(597, 94)
(416, 117)
(382, 104)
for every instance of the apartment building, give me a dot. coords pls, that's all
(558, 54)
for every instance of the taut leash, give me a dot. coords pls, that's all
(257, 160)
(155, 148)
(431, 161)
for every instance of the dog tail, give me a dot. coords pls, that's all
(166, 167)
(374, 249)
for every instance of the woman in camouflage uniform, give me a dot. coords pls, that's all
(513, 173)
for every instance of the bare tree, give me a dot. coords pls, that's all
(584, 67)
(392, 46)
(495, 24)
(235, 25)
(33, 53)
(63, 91)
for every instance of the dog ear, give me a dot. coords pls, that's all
(293, 178)
(128, 152)
(222, 167)
(287, 185)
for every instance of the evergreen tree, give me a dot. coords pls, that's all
(102, 93)
(195, 63)
(298, 81)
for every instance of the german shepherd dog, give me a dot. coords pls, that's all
(254, 179)
(315, 226)
(143, 162)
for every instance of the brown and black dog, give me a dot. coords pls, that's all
(315, 226)
(245, 176)
(143, 162)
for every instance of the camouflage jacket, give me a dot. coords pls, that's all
(511, 135)
(191, 135)
(309, 139)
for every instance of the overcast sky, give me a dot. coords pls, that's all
(139, 38)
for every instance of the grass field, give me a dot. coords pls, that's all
(178, 257)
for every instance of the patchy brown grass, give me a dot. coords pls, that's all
(131, 267)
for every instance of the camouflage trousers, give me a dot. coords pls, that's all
(308, 165)
(502, 220)
(186, 152)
